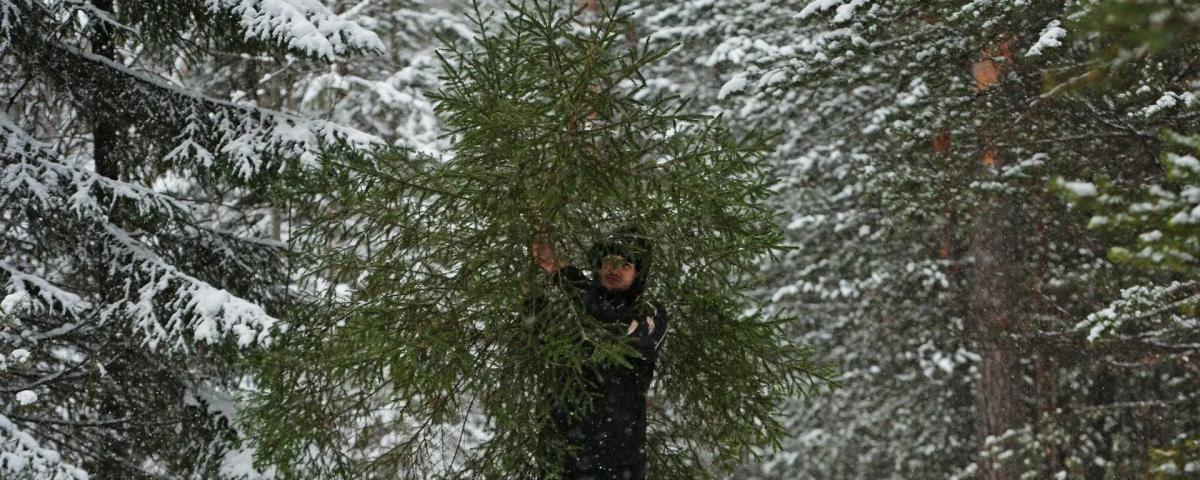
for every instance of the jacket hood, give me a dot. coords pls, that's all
(636, 248)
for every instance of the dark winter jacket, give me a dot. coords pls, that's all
(612, 437)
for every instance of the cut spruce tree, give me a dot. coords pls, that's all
(136, 249)
(419, 272)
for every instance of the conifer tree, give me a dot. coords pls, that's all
(421, 272)
(1150, 221)
(380, 93)
(862, 293)
(135, 248)
(981, 109)
(926, 139)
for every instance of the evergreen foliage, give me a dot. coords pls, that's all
(1150, 221)
(986, 207)
(863, 292)
(421, 273)
(946, 279)
(136, 251)
(380, 93)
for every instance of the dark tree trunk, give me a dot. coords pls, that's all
(1102, 394)
(994, 306)
(107, 163)
(104, 133)
(1046, 366)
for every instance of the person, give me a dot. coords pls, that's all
(609, 441)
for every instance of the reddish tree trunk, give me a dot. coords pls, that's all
(994, 307)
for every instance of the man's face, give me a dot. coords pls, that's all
(616, 273)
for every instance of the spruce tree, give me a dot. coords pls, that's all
(982, 109)
(135, 250)
(864, 294)
(1150, 222)
(421, 275)
(936, 261)
(380, 93)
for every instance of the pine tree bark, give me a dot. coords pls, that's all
(1046, 368)
(1102, 394)
(104, 139)
(103, 131)
(104, 147)
(994, 301)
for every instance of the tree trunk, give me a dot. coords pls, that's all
(103, 132)
(1102, 394)
(994, 305)
(107, 163)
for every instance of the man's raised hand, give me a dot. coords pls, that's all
(546, 257)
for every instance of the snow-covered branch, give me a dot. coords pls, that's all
(304, 25)
(22, 454)
(198, 309)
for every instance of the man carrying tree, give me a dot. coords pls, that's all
(609, 440)
(427, 324)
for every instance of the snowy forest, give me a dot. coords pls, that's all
(891, 239)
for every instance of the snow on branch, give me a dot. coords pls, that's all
(31, 177)
(198, 309)
(246, 132)
(32, 166)
(1051, 37)
(1139, 304)
(1168, 101)
(31, 286)
(845, 8)
(206, 128)
(307, 26)
(22, 455)
(9, 15)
